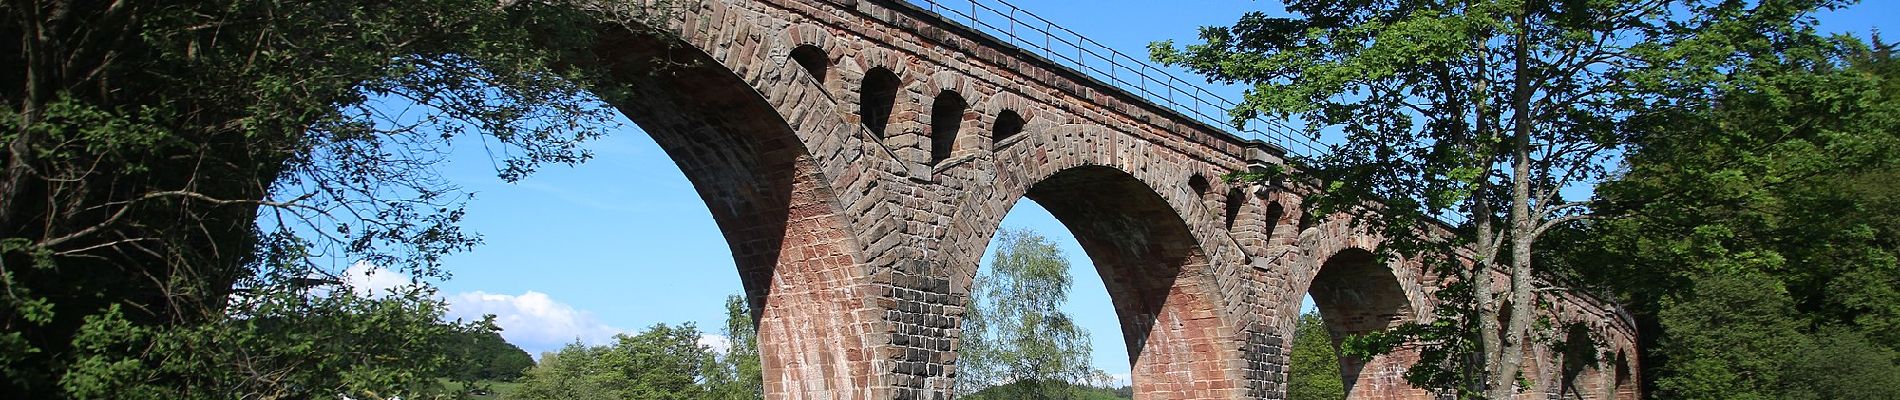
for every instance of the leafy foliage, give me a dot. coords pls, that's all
(736, 374)
(662, 363)
(1757, 238)
(1484, 111)
(482, 355)
(1313, 368)
(1018, 389)
(184, 179)
(270, 353)
(1016, 339)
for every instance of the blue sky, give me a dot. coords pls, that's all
(623, 242)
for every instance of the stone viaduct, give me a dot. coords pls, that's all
(859, 155)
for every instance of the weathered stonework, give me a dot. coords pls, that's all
(858, 248)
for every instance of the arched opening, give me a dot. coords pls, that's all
(946, 118)
(1235, 199)
(1198, 184)
(763, 191)
(1312, 364)
(1274, 214)
(1008, 123)
(1625, 388)
(1582, 365)
(987, 323)
(1154, 273)
(1354, 293)
(876, 98)
(813, 60)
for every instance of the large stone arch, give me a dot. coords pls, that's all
(1356, 294)
(1357, 291)
(1157, 276)
(1328, 238)
(1045, 150)
(759, 141)
(1175, 301)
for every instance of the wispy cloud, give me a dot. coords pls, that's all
(533, 320)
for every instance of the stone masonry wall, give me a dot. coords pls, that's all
(858, 248)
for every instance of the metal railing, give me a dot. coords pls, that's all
(1065, 47)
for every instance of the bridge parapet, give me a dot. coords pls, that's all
(1035, 36)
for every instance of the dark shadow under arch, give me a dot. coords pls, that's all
(1624, 385)
(813, 60)
(946, 121)
(1274, 213)
(762, 187)
(734, 147)
(877, 96)
(1355, 293)
(1581, 364)
(1008, 124)
(1152, 267)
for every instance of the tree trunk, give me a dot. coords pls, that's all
(1482, 214)
(1522, 223)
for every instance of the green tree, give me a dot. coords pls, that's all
(736, 375)
(662, 363)
(1069, 391)
(1482, 110)
(1758, 244)
(183, 179)
(482, 355)
(1313, 368)
(1016, 339)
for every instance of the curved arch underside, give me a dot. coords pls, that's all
(1154, 272)
(1355, 294)
(795, 256)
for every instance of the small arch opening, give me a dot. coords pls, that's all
(1275, 212)
(1580, 362)
(946, 117)
(1199, 184)
(1234, 200)
(1625, 384)
(1008, 123)
(813, 60)
(877, 97)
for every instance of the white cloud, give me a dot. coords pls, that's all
(533, 320)
(1121, 379)
(718, 344)
(368, 279)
